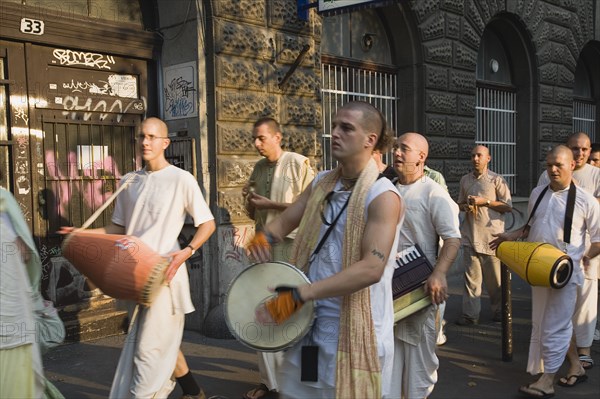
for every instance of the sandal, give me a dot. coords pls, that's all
(258, 392)
(578, 379)
(586, 361)
(534, 392)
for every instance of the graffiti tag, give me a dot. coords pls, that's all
(94, 60)
(179, 103)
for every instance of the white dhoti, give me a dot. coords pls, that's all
(551, 327)
(415, 360)
(586, 309)
(148, 358)
(268, 362)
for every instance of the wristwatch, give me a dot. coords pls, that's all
(488, 203)
(192, 248)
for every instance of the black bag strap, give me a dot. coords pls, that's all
(329, 230)
(535, 207)
(332, 225)
(568, 212)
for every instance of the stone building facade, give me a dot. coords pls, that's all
(516, 75)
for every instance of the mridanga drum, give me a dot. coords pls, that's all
(248, 290)
(121, 266)
(538, 263)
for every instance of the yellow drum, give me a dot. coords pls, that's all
(538, 263)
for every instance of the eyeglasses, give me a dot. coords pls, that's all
(149, 137)
(404, 148)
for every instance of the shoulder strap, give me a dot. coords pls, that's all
(537, 203)
(106, 204)
(332, 225)
(568, 212)
(329, 230)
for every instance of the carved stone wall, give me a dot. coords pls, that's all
(450, 32)
(256, 42)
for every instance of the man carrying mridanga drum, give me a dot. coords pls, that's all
(554, 308)
(431, 214)
(153, 207)
(348, 226)
(276, 181)
(587, 177)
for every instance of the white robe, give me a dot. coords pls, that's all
(154, 208)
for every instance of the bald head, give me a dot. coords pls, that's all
(480, 157)
(578, 136)
(580, 144)
(156, 126)
(560, 165)
(561, 150)
(410, 152)
(481, 149)
(416, 140)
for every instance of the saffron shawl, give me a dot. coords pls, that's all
(358, 372)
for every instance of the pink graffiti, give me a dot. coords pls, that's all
(66, 176)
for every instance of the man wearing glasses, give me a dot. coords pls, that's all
(431, 214)
(153, 207)
(345, 245)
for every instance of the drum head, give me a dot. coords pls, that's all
(248, 290)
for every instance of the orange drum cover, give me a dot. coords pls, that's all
(121, 266)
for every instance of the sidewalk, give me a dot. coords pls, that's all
(471, 363)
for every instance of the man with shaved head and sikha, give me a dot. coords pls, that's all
(153, 207)
(552, 309)
(431, 215)
(485, 197)
(587, 177)
(348, 221)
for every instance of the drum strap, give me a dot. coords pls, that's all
(109, 201)
(329, 229)
(332, 224)
(568, 212)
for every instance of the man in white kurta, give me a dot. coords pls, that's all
(275, 183)
(587, 177)
(153, 207)
(552, 309)
(430, 213)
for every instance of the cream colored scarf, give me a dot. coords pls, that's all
(358, 372)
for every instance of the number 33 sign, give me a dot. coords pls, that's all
(32, 26)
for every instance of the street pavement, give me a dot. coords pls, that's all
(471, 364)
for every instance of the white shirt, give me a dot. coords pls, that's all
(329, 262)
(430, 212)
(547, 224)
(153, 208)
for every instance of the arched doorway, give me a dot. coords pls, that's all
(505, 109)
(356, 64)
(586, 91)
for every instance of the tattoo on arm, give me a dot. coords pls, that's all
(378, 254)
